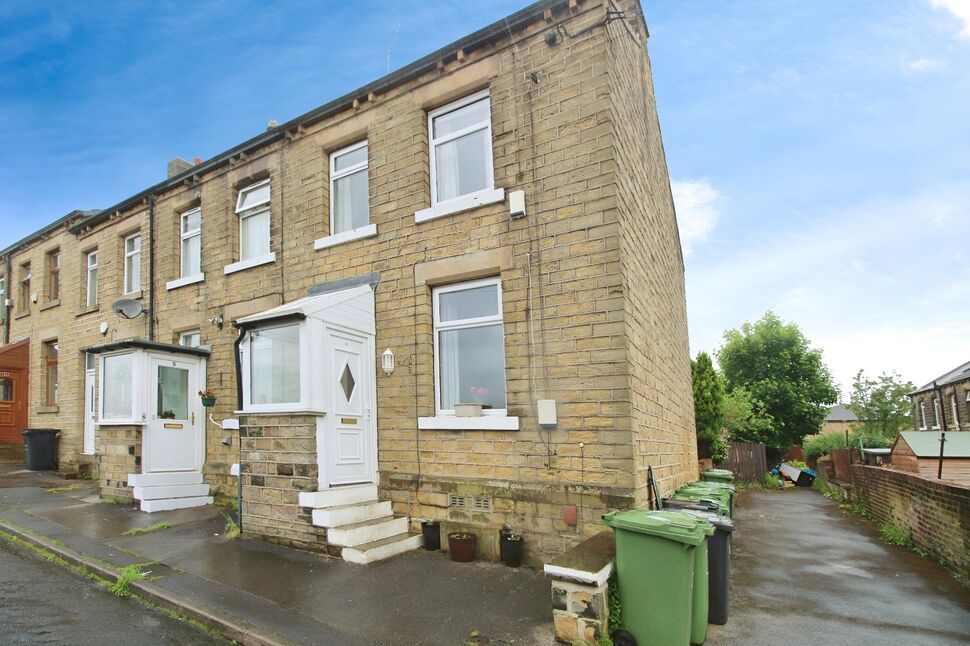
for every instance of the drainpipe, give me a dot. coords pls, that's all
(151, 267)
(7, 298)
(939, 398)
(239, 406)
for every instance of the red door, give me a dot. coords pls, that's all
(13, 391)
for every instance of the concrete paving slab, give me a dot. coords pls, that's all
(804, 570)
(105, 520)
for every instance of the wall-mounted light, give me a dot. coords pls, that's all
(387, 361)
(216, 320)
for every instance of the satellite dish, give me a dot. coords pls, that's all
(127, 308)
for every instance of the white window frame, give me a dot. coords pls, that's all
(438, 326)
(922, 415)
(188, 333)
(137, 400)
(3, 299)
(936, 413)
(242, 214)
(953, 408)
(487, 195)
(245, 352)
(128, 288)
(91, 299)
(184, 236)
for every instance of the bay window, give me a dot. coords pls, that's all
(469, 346)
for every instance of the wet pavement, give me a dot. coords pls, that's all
(43, 603)
(415, 598)
(805, 572)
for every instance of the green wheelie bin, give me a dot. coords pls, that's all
(718, 486)
(658, 554)
(696, 489)
(709, 498)
(717, 475)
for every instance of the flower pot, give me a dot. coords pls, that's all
(468, 410)
(461, 546)
(512, 547)
(208, 402)
(431, 530)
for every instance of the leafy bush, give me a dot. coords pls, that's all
(770, 481)
(821, 445)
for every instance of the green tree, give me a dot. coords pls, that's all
(881, 404)
(708, 396)
(775, 362)
(745, 417)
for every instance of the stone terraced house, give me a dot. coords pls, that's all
(382, 295)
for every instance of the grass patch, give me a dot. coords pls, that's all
(129, 574)
(232, 527)
(229, 503)
(63, 489)
(832, 493)
(138, 531)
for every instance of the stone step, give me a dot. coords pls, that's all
(171, 491)
(338, 496)
(167, 504)
(366, 531)
(353, 513)
(164, 479)
(383, 549)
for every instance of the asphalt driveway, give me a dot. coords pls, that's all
(805, 572)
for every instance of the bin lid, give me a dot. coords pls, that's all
(721, 486)
(672, 525)
(722, 523)
(711, 491)
(699, 496)
(39, 431)
(724, 473)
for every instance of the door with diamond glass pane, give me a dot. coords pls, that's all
(350, 425)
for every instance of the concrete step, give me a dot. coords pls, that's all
(337, 496)
(167, 504)
(366, 531)
(382, 549)
(171, 491)
(163, 479)
(353, 513)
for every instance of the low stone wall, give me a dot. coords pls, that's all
(937, 513)
(119, 453)
(535, 510)
(278, 460)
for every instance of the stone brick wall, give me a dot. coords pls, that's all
(279, 460)
(119, 448)
(653, 290)
(937, 513)
(959, 389)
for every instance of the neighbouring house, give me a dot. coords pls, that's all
(945, 398)
(488, 230)
(840, 419)
(919, 452)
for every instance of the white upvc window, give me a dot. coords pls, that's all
(190, 339)
(191, 231)
(119, 385)
(349, 198)
(936, 413)
(252, 207)
(91, 284)
(132, 264)
(469, 346)
(274, 369)
(922, 416)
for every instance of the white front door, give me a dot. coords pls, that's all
(349, 422)
(173, 439)
(90, 405)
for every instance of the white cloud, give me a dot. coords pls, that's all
(960, 9)
(920, 65)
(698, 206)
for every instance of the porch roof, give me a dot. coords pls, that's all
(144, 344)
(341, 307)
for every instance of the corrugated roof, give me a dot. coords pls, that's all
(926, 444)
(841, 413)
(957, 374)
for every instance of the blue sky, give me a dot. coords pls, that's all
(819, 151)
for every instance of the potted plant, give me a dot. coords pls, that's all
(473, 408)
(208, 399)
(431, 529)
(462, 546)
(512, 546)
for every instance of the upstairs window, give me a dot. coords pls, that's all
(54, 275)
(191, 231)
(91, 284)
(461, 148)
(922, 416)
(936, 413)
(252, 207)
(50, 371)
(191, 339)
(132, 264)
(348, 189)
(469, 340)
(24, 304)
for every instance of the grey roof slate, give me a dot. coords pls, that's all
(841, 413)
(957, 374)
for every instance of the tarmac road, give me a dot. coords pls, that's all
(43, 603)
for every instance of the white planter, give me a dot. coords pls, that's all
(468, 410)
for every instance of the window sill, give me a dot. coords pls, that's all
(122, 422)
(182, 282)
(459, 204)
(20, 315)
(87, 309)
(47, 409)
(359, 233)
(483, 423)
(288, 411)
(135, 295)
(50, 304)
(265, 259)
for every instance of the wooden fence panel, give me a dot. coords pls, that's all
(747, 460)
